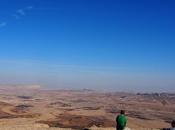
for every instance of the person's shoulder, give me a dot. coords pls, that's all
(119, 115)
(123, 115)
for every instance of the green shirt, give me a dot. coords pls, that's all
(121, 121)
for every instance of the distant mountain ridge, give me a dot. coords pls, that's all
(12, 87)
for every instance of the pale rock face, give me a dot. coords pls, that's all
(41, 126)
(127, 128)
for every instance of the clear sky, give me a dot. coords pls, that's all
(124, 45)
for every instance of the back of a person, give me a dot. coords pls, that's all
(121, 121)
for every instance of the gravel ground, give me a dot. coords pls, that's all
(44, 128)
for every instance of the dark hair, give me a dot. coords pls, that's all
(173, 123)
(122, 112)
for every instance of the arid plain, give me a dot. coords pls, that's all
(30, 107)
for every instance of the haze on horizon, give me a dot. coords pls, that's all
(118, 45)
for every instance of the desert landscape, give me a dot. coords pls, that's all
(78, 64)
(29, 107)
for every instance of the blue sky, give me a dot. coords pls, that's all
(119, 45)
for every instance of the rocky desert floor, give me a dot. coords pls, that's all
(36, 109)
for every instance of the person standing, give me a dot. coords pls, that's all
(121, 121)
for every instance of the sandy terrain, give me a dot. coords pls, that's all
(32, 108)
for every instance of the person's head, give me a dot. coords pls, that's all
(173, 123)
(122, 112)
